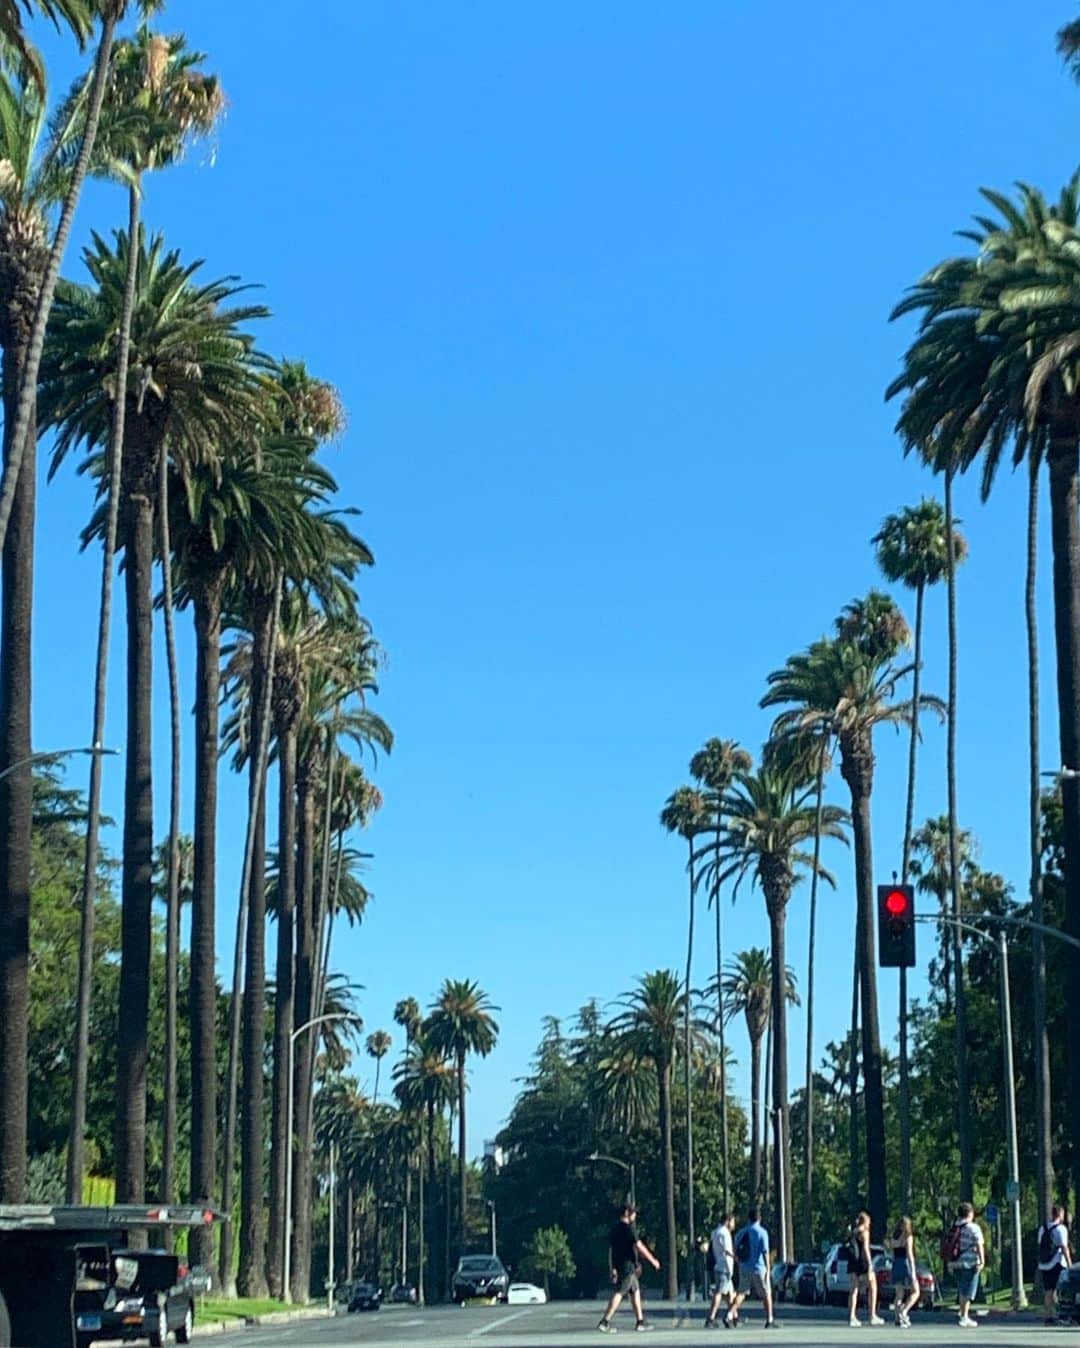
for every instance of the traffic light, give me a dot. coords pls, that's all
(896, 926)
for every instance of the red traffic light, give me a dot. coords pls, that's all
(897, 903)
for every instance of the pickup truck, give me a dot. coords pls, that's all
(68, 1276)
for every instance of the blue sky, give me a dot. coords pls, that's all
(605, 290)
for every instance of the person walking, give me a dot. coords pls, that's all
(966, 1257)
(627, 1249)
(861, 1276)
(904, 1278)
(1054, 1255)
(752, 1253)
(722, 1252)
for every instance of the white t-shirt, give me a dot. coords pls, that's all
(971, 1240)
(723, 1250)
(1059, 1238)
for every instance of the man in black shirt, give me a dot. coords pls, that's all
(626, 1247)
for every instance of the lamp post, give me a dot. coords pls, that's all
(625, 1165)
(300, 1029)
(54, 756)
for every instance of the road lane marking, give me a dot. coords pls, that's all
(497, 1324)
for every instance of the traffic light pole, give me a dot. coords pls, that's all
(1019, 1296)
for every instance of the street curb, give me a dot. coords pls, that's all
(208, 1328)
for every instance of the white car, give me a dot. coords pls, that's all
(837, 1279)
(526, 1294)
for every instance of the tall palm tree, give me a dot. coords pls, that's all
(746, 990)
(686, 814)
(912, 549)
(378, 1046)
(156, 79)
(930, 866)
(714, 766)
(848, 683)
(460, 1023)
(408, 1015)
(996, 361)
(769, 818)
(193, 386)
(75, 15)
(649, 1025)
(426, 1082)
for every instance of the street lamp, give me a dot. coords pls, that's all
(54, 756)
(300, 1029)
(625, 1165)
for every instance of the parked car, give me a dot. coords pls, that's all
(1068, 1293)
(928, 1287)
(526, 1294)
(403, 1294)
(480, 1276)
(366, 1296)
(780, 1275)
(810, 1284)
(145, 1294)
(837, 1280)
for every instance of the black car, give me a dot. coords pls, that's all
(1068, 1293)
(403, 1294)
(133, 1295)
(480, 1276)
(366, 1296)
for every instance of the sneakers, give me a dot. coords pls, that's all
(876, 1320)
(772, 1324)
(855, 1323)
(606, 1327)
(966, 1322)
(710, 1323)
(642, 1327)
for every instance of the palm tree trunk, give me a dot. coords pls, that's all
(284, 1003)
(782, 1148)
(671, 1275)
(720, 1029)
(23, 434)
(463, 1192)
(853, 1083)
(76, 1162)
(853, 1086)
(905, 861)
(1065, 537)
(858, 765)
(808, 1142)
(251, 1279)
(433, 1205)
(766, 1154)
(203, 903)
(963, 1127)
(1043, 1138)
(305, 1044)
(420, 1218)
(170, 1139)
(447, 1206)
(16, 808)
(755, 1118)
(688, 1081)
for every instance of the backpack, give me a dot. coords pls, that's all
(950, 1245)
(742, 1246)
(1046, 1243)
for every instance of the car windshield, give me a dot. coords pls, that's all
(479, 1264)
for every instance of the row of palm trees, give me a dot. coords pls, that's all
(202, 452)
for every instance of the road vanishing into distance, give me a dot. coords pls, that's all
(572, 1323)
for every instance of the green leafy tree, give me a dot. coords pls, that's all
(549, 1256)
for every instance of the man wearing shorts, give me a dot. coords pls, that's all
(626, 1250)
(723, 1256)
(1054, 1255)
(969, 1262)
(752, 1252)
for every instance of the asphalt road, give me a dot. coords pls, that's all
(574, 1323)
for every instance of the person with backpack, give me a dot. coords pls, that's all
(964, 1253)
(721, 1263)
(1054, 1255)
(904, 1278)
(752, 1254)
(861, 1276)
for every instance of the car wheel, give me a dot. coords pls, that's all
(184, 1333)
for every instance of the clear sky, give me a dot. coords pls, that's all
(605, 289)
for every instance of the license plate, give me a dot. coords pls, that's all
(132, 1320)
(88, 1322)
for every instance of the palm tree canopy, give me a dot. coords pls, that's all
(717, 762)
(408, 1015)
(747, 989)
(1068, 45)
(912, 548)
(460, 1021)
(194, 380)
(686, 812)
(929, 865)
(652, 1017)
(875, 626)
(425, 1076)
(75, 15)
(379, 1044)
(768, 818)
